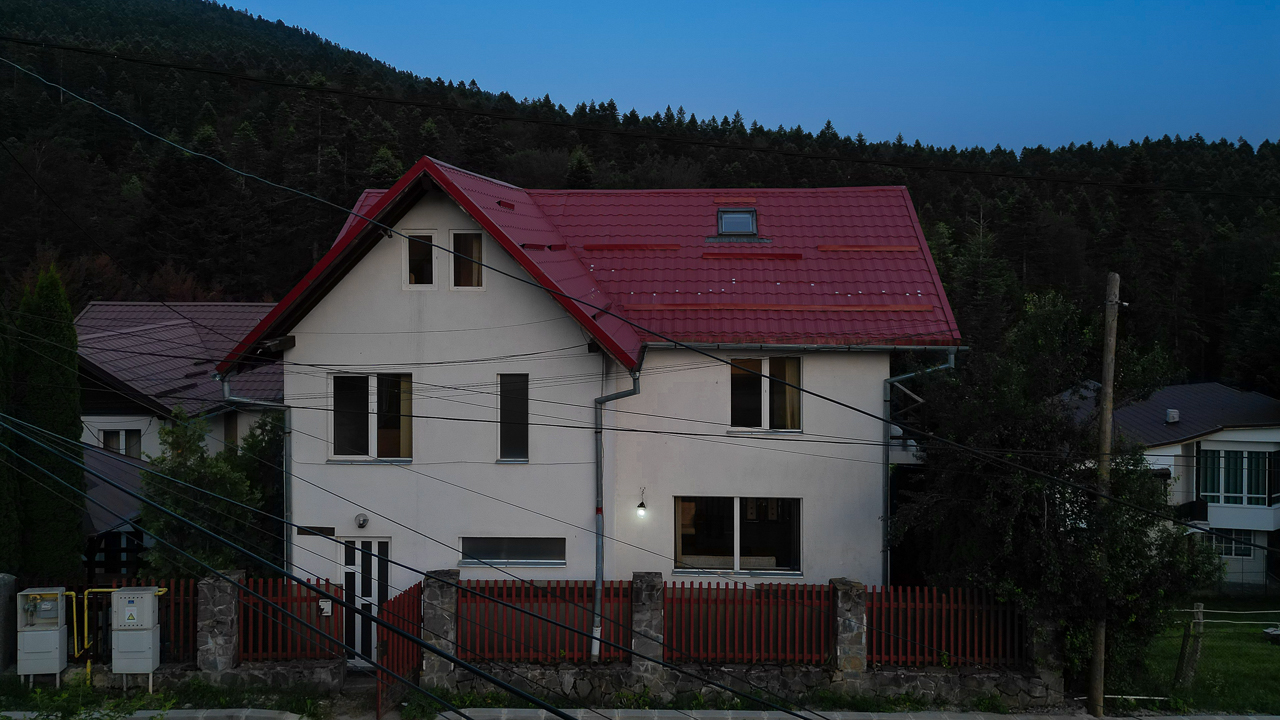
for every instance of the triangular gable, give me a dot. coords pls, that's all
(523, 234)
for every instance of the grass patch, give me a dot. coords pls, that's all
(84, 703)
(1238, 671)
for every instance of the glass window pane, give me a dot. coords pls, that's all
(1233, 477)
(704, 533)
(111, 440)
(420, 270)
(746, 401)
(1210, 475)
(737, 222)
(395, 416)
(513, 417)
(784, 401)
(467, 249)
(512, 549)
(133, 443)
(1256, 478)
(350, 415)
(770, 529)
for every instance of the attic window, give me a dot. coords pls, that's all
(738, 222)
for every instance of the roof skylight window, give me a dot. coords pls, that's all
(738, 222)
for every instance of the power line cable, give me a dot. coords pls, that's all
(226, 577)
(636, 134)
(350, 606)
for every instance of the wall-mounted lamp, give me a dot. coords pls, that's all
(641, 509)
(362, 520)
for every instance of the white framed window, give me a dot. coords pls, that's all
(1235, 545)
(125, 442)
(1233, 477)
(419, 257)
(764, 403)
(746, 535)
(466, 271)
(372, 416)
(526, 551)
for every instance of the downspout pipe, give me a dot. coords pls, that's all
(888, 437)
(286, 491)
(596, 602)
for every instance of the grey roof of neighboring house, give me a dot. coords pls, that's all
(116, 503)
(1203, 408)
(167, 351)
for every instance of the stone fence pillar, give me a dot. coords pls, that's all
(8, 621)
(439, 626)
(851, 626)
(218, 624)
(647, 627)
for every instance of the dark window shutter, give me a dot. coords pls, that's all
(1199, 470)
(513, 417)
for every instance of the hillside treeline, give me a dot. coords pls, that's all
(1198, 269)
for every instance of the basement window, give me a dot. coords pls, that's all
(737, 222)
(124, 442)
(742, 535)
(467, 256)
(419, 263)
(1236, 545)
(534, 551)
(770, 402)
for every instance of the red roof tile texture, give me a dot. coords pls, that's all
(829, 266)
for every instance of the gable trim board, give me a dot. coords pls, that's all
(538, 229)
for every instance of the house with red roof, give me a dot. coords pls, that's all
(492, 379)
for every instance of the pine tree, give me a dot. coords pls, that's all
(581, 174)
(47, 395)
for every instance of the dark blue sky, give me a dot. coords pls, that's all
(963, 73)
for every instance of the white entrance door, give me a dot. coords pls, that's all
(366, 571)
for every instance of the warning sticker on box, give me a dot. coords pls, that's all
(130, 616)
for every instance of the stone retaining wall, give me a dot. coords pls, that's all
(325, 677)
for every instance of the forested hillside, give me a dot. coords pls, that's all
(1197, 268)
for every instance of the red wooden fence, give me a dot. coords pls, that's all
(268, 633)
(398, 654)
(777, 622)
(914, 626)
(489, 631)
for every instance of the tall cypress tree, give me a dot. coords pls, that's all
(47, 395)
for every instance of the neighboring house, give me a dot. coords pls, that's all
(1221, 447)
(139, 362)
(459, 401)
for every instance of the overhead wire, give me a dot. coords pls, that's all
(633, 134)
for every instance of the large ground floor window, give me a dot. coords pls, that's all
(738, 534)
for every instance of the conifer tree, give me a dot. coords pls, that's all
(581, 174)
(47, 395)
(11, 534)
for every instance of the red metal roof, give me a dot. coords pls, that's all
(841, 266)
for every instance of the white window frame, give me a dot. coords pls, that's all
(484, 253)
(464, 561)
(1239, 541)
(435, 258)
(1244, 495)
(371, 390)
(737, 540)
(122, 435)
(764, 428)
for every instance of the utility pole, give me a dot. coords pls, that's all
(1106, 403)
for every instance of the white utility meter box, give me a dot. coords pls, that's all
(135, 630)
(42, 631)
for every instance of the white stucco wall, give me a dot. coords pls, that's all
(373, 322)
